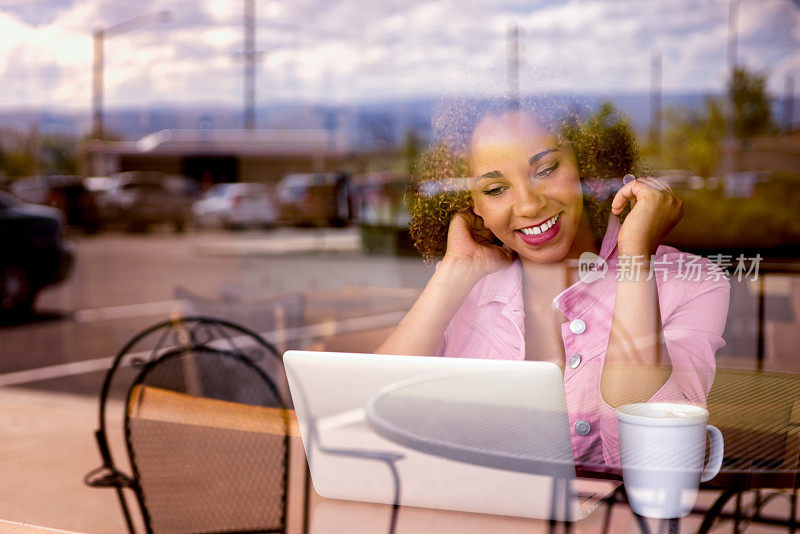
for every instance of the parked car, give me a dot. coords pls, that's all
(65, 192)
(34, 253)
(314, 199)
(235, 205)
(139, 199)
(378, 199)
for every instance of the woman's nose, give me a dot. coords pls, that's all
(529, 201)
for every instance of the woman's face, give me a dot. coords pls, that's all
(527, 189)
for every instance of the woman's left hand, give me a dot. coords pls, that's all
(655, 212)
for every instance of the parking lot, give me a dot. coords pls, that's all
(123, 282)
(52, 365)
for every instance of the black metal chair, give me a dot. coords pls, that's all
(206, 430)
(280, 315)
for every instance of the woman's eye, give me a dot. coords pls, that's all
(548, 170)
(493, 191)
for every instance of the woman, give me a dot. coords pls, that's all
(507, 288)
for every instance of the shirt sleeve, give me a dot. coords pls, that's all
(442, 348)
(692, 334)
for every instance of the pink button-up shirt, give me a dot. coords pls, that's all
(693, 299)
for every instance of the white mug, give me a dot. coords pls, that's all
(662, 448)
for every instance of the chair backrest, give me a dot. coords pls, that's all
(196, 358)
(277, 315)
(208, 439)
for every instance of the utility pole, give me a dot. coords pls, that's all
(98, 38)
(97, 84)
(251, 58)
(655, 101)
(732, 37)
(513, 67)
(729, 146)
(249, 64)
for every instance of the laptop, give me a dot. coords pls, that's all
(462, 434)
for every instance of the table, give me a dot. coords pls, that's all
(758, 413)
(759, 416)
(464, 417)
(477, 430)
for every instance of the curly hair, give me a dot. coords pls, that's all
(604, 149)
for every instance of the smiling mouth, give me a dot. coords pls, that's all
(541, 228)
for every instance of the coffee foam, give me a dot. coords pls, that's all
(663, 410)
(670, 413)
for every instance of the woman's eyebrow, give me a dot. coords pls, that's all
(540, 155)
(491, 174)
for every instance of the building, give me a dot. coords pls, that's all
(212, 156)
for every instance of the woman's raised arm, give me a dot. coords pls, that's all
(637, 363)
(470, 256)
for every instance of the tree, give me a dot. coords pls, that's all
(692, 139)
(25, 153)
(58, 154)
(604, 143)
(751, 110)
(412, 146)
(18, 152)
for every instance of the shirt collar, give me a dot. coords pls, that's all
(505, 285)
(610, 237)
(502, 285)
(580, 296)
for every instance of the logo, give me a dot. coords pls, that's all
(591, 268)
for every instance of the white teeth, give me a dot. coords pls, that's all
(536, 230)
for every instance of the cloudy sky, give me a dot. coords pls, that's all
(355, 50)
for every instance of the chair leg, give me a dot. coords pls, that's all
(644, 528)
(737, 514)
(607, 519)
(125, 511)
(552, 526)
(716, 509)
(673, 526)
(306, 498)
(393, 520)
(642, 521)
(396, 504)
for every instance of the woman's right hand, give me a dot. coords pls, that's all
(471, 254)
(471, 244)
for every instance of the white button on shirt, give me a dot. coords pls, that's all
(582, 427)
(577, 326)
(574, 360)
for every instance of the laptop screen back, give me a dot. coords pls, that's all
(489, 436)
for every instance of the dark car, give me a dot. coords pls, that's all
(314, 199)
(65, 192)
(141, 198)
(34, 254)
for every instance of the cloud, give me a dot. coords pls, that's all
(357, 49)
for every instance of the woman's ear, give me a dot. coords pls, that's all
(475, 210)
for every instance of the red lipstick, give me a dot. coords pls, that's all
(544, 237)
